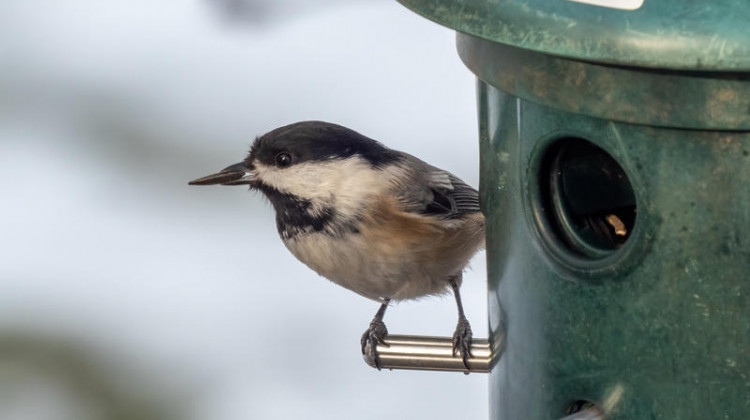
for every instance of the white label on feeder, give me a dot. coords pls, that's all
(614, 4)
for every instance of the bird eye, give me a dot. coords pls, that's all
(283, 160)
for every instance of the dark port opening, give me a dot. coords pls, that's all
(588, 198)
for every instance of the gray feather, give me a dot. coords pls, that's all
(433, 191)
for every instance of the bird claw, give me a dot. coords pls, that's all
(372, 337)
(462, 341)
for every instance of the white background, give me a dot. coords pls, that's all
(183, 295)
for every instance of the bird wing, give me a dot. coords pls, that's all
(439, 193)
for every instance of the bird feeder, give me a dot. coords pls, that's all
(615, 177)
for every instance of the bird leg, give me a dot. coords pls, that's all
(462, 336)
(375, 335)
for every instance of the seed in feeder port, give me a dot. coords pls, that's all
(617, 225)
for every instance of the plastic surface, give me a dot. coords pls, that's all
(699, 100)
(668, 34)
(660, 329)
(654, 324)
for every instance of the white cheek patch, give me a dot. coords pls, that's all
(347, 183)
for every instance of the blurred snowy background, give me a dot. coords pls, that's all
(126, 294)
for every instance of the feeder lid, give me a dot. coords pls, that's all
(701, 35)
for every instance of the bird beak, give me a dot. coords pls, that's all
(237, 174)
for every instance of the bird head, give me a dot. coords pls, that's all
(316, 162)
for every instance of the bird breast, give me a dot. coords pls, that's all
(392, 253)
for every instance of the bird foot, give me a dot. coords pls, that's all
(462, 341)
(373, 336)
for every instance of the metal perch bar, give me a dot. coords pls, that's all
(430, 353)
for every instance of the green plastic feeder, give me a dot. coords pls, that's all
(615, 176)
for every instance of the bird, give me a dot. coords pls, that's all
(377, 221)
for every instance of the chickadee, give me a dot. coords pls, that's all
(377, 221)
